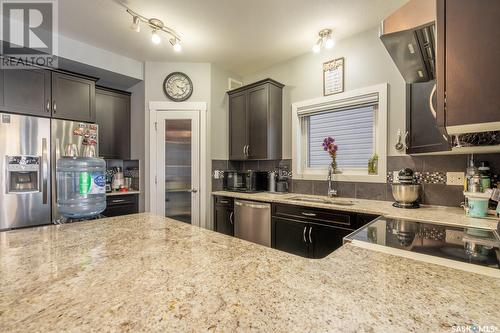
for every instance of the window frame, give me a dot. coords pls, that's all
(350, 98)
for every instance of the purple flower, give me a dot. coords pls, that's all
(330, 146)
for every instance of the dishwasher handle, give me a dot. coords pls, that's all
(251, 205)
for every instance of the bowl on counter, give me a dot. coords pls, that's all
(405, 194)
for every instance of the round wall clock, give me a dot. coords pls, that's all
(178, 86)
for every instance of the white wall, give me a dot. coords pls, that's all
(366, 63)
(220, 113)
(137, 144)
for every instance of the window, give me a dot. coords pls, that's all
(356, 119)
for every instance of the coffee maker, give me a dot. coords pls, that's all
(282, 180)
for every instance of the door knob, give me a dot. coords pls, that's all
(194, 190)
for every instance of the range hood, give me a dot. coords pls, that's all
(409, 36)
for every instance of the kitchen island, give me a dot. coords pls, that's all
(147, 273)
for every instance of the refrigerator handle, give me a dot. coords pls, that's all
(58, 156)
(45, 167)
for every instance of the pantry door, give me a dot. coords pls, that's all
(178, 165)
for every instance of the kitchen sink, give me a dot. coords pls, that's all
(338, 202)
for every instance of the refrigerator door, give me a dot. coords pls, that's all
(65, 132)
(24, 171)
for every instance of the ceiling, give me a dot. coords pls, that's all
(242, 36)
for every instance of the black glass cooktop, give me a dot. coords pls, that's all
(470, 245)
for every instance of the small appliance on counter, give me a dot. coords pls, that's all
(282, 180)
(245, 181)
(407, 191)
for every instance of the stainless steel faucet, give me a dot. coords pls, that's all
(331, 191)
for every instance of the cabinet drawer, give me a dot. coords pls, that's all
(119, 200)
(224, 201)
(317, 215)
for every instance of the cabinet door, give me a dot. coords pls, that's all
(424, 135)
(290, 236)
(472, 67)
(325, 239)
(238, 126)
(113, 118)
(73, 97)
(26, 91)
(223, 220)
(258, 105)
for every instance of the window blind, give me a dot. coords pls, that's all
(352, 130)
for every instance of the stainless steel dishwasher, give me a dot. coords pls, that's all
(252, 221)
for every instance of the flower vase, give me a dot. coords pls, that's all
(333, 165)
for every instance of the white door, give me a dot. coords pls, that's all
(178, 165)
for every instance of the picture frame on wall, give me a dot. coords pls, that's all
(333, 76)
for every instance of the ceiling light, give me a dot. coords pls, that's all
(136, 24)
(329, 43)
(325, 40)
(155, 38)
(176, 45)
(156, 26)
(316, 48)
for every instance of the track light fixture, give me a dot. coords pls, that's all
(325, 40)
(156, 26)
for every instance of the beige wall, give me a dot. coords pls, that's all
(366, 63)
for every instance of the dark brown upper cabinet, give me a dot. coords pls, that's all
(424, 136)
(113, 117)
(25, 91)
(468, 65)
(73, 97)
(255, 121)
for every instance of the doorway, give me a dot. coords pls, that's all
(176, 164)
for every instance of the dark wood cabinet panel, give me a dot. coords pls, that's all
(467, 61)
(224, 216)
(118, 205)
(290, 236)
(424, 135)
(73, 97)
(255, 114)
(113, 117)
(26, 91)
(257, 122)
(237, 125)
(325, 239)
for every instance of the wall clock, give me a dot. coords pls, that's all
(178, 86)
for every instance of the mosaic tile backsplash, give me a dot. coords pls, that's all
(430, 171)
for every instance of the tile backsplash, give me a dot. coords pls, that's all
(430, 171)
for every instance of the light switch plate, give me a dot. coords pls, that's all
(455, 178)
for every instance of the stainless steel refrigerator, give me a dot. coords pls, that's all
(29, 147)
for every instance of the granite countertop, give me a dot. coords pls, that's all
(148, 273)
(429, 214)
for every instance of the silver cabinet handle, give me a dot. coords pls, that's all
(309, 214)
(248, 150)
(433, 110)
(224, 201)
(118, 200)
(54, 106)
(310, 239)
(45, 168)
(304, 235)
(231, 218)
(245, 150)
(48, 105)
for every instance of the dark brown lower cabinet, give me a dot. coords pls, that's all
(224, 215)
(312, 232)
(121, 205)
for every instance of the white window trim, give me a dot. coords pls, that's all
(380, 132)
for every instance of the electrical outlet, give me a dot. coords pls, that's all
(455, 178)
(395, 177)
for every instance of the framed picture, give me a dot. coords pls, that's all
(333, 77)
